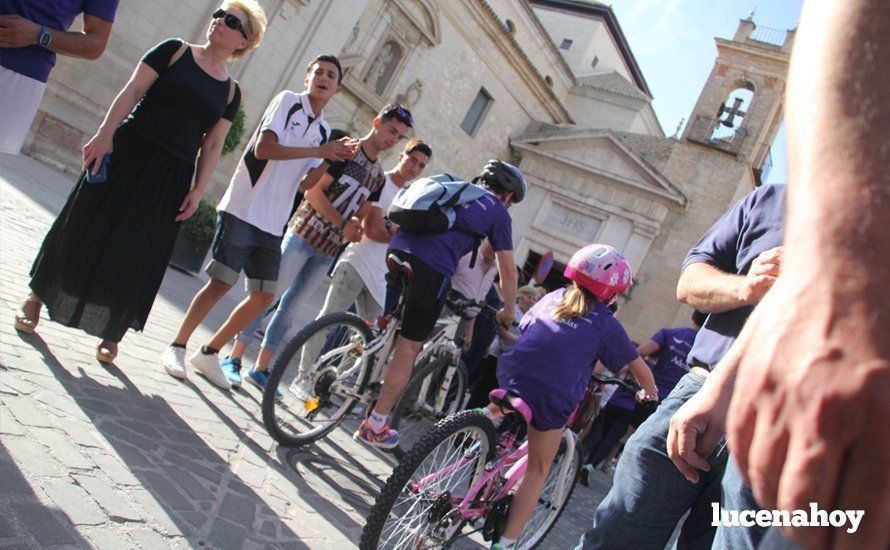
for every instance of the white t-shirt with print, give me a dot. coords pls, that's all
(262, 192)
(367, 256)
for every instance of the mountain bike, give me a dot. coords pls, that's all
(463, 473)
(349, 371)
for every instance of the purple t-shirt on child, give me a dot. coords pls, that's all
(673, 348)
(485, 216)
(57, 15)
(550, 364)
(754, 225)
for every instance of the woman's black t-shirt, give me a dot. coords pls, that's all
(183, 103)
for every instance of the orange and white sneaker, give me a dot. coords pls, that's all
(386, 438)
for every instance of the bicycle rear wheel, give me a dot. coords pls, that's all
(555, 495)
(417, 505)
(414, 415)
(339, 373)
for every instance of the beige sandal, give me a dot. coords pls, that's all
(25, 324)
(106, 352)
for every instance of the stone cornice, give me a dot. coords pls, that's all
(667, 190)
(516, 56)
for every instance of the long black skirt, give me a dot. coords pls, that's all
(103, 260)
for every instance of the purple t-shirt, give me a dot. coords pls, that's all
(673, 348)
(442, 251)
(754, 225)
(550, 364)
(35, 61)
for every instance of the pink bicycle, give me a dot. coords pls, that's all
(464, 473)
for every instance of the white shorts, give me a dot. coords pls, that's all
(19, 99)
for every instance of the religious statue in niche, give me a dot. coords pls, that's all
(383, 66)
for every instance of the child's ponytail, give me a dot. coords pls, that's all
(577, 302)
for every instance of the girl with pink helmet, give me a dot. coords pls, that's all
(563, 336)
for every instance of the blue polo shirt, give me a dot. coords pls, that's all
(754, 225)
(35, 61)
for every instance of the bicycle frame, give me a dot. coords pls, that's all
(493, 486)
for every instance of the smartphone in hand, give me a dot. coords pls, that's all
(102, 174)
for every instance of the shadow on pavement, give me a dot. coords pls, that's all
(24, 520)
(192, 484)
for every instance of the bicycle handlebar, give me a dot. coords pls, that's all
(626, 386)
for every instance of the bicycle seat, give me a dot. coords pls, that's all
(399, 266)
(510, 401)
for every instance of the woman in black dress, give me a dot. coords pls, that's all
(103, 260)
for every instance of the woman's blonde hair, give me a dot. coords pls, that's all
(254, 25)
(528, 290)
(577, 302)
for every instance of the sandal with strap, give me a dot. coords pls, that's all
(106, 352)
(26, 324)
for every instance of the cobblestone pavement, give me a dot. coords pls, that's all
(124, 456)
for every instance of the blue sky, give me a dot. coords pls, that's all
(673, 41)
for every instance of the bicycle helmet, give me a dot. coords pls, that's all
(499, 174)
(600, 269)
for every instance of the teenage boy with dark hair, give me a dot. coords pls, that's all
(331, 214)
(359, 274)
(292, 138)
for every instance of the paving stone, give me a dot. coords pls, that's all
(150, 540)
(238, 509)
(82, 433)
(160, 517)
(18, 385)
(227, 535)
(31, 457)
(8, 424)
(74, 503)
(13, 483)
(25, 412)
(165, 492)
(132, 457)
(61, 447)
(185, 481)
(109, 499)
(251, 474)
(94, 407)
(113, 469)
(106, 538)
(203, 472)
(47, 527)
(269, 529)
(113, 429)
(5, 527)
(196, 519)
(61, 403)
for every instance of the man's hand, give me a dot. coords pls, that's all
(353, 231)
(341, 149)
(506, 317)
(697, 427)
(17, 32)
(808, 417)
(762, 275)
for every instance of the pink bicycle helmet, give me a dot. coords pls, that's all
(600, 269)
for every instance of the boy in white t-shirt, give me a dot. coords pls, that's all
(291, 140)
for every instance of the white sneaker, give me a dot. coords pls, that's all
(208, 365)
(302, 388)
(173, 360)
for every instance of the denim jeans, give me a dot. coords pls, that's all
(737, 495)
(649, 495)
(304, 268)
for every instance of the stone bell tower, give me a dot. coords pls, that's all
(722, 155)
(741, 105)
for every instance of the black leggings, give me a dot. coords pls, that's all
(610, 426)
(485, 379)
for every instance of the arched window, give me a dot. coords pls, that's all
(509, 26)
(384, 65)
(548, 80)
(731, 113)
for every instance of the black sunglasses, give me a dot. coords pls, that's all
(231, 21)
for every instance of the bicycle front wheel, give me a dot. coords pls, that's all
(338, 373)
(555, 495)
(418, 505)
(436, 390)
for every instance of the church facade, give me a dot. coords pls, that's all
(551, 85)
